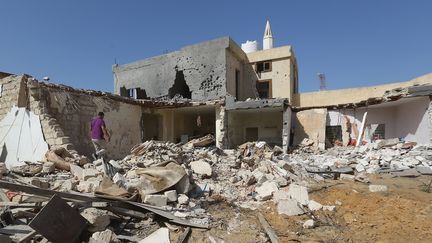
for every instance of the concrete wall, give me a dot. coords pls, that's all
(407, 118)
(203, 67)
(280, 75)
(66, 119)
(346, 96)
(247, 81)
(268, 121)
(12, 94)
(283, 73)
(310, 124)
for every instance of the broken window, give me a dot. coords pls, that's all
(264, 89)
(263, 66)
(333, 135)
(180, 87)
(135, 93)
(375, 131)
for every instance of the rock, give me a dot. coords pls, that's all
(298, 193)
(347, 177)
(171, 195)
(309, 224)
(377, 188)
(259, 176)
(386, 143)
(76, 171)
(156, 200)
(280, 195)
(424, 170)
(281, 181)
(39, 183)
(106, 236)
(314, 206)
(87, 186)
(48, 167)
(183, 199)
(69, 185)
(98, 219)
(181, 214)
(359, 168)
(90, 173)
(160, 236)
(120, 180)
(201, 168)
(329, 208)
(265, 191)
(289, 207)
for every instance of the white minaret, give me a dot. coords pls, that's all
(268, 37)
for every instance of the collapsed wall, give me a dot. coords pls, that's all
(66, 114)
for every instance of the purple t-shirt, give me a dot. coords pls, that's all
(96, 128)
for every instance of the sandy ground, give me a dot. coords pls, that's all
(402, 214)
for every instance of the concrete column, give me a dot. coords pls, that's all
(221, 124)
(168, 125)
(286, 128)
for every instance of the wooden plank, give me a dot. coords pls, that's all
(268, 229)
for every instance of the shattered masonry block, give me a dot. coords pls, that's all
(314, 206)
(201, 167)
(156, 200)
(377, 188)
(89, 173)
(266, 190)
(298, 193)
(183, 199)
(99, 219)
(289, 207)
(171, 195)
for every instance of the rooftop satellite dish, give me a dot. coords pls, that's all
(46, 79)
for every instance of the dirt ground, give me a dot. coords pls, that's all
(402, 214)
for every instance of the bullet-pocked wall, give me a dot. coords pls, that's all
(197, 72)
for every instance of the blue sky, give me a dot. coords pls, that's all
(355, 43)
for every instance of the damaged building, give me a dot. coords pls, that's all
(218, 88)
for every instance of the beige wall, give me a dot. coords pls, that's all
(310, 124)
(66, 116)
(247, 77)
(346, 96)
(283, 73)
(12, 94)
(268, 121)
(280, 75)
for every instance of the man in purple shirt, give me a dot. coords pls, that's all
(99, 135)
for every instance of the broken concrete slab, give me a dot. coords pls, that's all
(298, 193)
(156, 200)
(183, 199)
(171, 195)
(201, 167)
(98, 219)
(309, 224)
(106, 236)
(424, 170)
(161, 236)
(289, 207)
(266, 190)
(377, 188)
(314, 206)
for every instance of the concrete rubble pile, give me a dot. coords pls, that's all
(119, 200)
